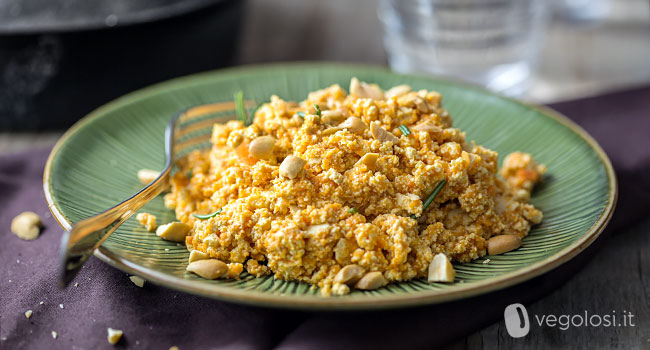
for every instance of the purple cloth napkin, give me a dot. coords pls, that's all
(157, 318)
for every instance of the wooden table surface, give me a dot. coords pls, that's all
(577, 60)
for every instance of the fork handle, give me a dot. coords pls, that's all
(78, 244)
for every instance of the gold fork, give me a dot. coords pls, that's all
(78, 244)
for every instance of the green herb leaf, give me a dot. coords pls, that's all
(405, 130)
(352, 211)
(239, 107)
(301, 114)
(317, 107)
(207, 216)
(189, 174)
(431, 197)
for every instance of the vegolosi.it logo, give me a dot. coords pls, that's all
(518, 322)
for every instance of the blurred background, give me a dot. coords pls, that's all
(60, 59)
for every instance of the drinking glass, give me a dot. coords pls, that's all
(494, 43)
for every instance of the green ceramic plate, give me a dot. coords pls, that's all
(94, 167)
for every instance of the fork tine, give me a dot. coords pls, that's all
(78, 244)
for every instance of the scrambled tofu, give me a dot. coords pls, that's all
(147, 220)
(354, 191)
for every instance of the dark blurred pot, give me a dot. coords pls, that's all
(58, 66)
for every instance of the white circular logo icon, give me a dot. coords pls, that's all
(517, 323)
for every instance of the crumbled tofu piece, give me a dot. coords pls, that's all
(340, 289)
(234, 270)
(114, 335)
(522, 171)
(26, 225)
(256, 269)
(137, 280)
(28, 313)
(170, 201)
(441, 270)
(174, 231)
(147, 220)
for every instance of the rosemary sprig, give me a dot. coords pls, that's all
(433, 194)
(317, 107)
(241, 110)
(431, 197)
(239, 106)
(207, 216)
(405, 130)
(352, 211)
